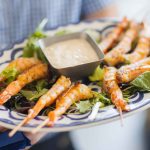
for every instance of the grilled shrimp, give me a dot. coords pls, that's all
(108, 42)
(111, 87)
(34, 73)
(129, 74)
(75, 93)
(124, 46)
(145, 61)
(47, 99)
(20, 64)
(141, 51)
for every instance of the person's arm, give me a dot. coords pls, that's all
(94, 9)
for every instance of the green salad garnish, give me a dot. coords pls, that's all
(33, 95)
(97, 74)
(83, 106)
(32, 48)
(142, 82)
(9, 74)
(35, 90)
(86, 105)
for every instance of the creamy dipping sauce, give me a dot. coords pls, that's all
(71, 53)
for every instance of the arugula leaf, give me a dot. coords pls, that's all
(97, 75)
(142, 82)
(86, 105)
(83, 106)
(33, 95)
(41, 84)
(28, 94)
(35, 90)
(101, 97)
(32, 48)
(10, 74)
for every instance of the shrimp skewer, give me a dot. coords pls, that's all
(124, 76)
(127, 73)
(107, 42)
(47, 99)
(145, 61)
(142, 51)
(74, 94)
(124, 46)
(20, 64)
(111, 87)
(34, 73)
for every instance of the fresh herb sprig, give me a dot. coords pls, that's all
(32, 48)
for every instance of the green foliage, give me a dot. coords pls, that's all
(97, 75)
(142, 82)
(32, 48)
(10, 74)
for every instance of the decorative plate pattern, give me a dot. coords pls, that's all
(9, 119)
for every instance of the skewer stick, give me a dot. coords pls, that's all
(121, 117)
(41, 126)
(24, 121)
(11, 133)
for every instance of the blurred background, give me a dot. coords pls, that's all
(135, 133)
(130, 8)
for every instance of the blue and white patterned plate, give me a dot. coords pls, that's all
(9, 119)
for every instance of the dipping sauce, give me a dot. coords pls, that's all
(71, 53)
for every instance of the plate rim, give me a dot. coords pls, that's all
(86, 125)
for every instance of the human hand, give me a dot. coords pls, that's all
(34, 138)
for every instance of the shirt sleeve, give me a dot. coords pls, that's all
(91, 6)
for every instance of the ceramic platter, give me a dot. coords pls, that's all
(9, 119)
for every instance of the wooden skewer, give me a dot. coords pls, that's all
(40, 126)
(11, 133)
(26, 119)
